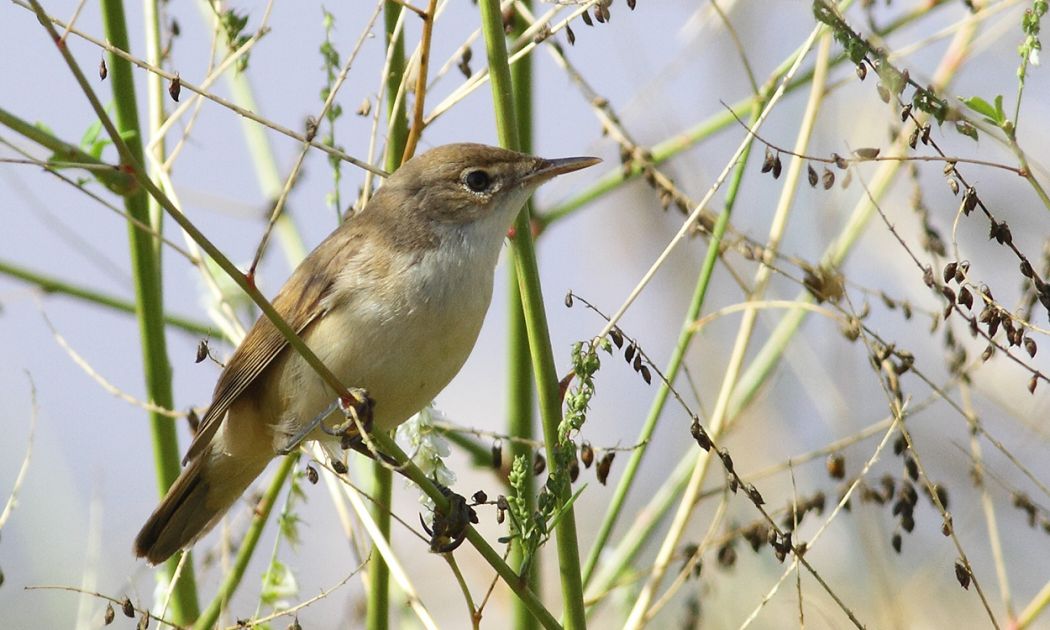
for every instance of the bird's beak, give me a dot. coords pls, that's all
(548, 169)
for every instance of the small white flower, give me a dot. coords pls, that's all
(427, 447)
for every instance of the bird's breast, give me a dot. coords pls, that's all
(402, 335)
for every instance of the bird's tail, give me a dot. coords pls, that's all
(196, 501)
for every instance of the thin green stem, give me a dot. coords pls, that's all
(50, 284)
(535, 316)
(685, 336)
(147, 278)
(480, 455)
(245, 552)
(107, 174)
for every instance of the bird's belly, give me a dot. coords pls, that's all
(402, 357)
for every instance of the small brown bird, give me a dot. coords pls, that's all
(392, 302)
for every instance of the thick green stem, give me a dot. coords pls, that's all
(146, 270)
(520, 390)
(534, 314)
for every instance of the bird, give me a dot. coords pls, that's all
(391, 302)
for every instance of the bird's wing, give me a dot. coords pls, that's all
(315, 275)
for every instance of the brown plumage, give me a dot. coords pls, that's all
(392, 302)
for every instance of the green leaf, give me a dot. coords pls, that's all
(982, 107)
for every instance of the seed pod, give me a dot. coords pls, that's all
(127, 608)
(896, 542)
(110, 614)
(103, 72)
(969, 201)
(174, 90)
(949, 271)
(497, 454)
(776, 167)
(617, 337)
(586, 18)
(811, 173)
(912, 468)
(700, 435)
(836, 465)
(339, 467)
(862, 71)
(568, 300)
(767, 161)
(604, 466)
(828, 179)
(366, 105)
(727, 461)
(646, 375)
(570, 35)
(1029, 346)
(311, 474)
(905, 112)
(202, 351)
(587, 454)
(867, 153)
(628, 354)
(539, 464)
(963, 575)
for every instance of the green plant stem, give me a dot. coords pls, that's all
(520, 390)
(107, 174)
(534, 314)
(480, 455)
(260, 517)
(377, 616)
(685, 336)
(50, 284)
(387, 445)
(146, 271)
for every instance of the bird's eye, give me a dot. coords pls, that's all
(477, 181)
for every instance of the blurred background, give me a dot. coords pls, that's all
(664, 68)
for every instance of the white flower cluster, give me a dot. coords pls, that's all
(427, 448)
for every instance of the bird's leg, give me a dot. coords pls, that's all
(308, 428)
(357, 410)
